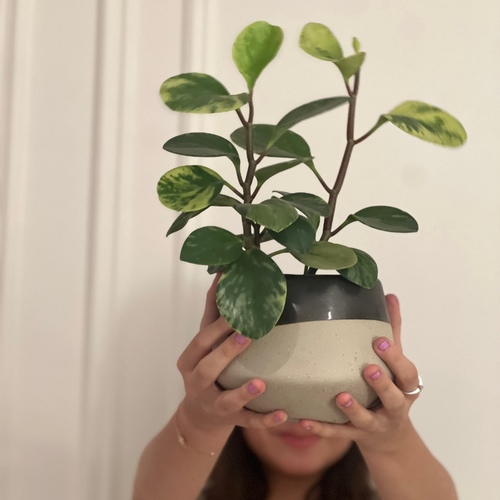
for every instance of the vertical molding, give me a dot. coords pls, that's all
(100, 377)
(7, 31)
(43, 173)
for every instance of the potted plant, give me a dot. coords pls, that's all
(252, 291)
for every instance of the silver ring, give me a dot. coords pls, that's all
(417, 390)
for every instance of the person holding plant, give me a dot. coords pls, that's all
(215, 449)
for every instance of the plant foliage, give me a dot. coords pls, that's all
(252, 290)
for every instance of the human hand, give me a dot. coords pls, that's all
(205, 405)
(383, 428)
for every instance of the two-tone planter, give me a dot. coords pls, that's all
(318, 349)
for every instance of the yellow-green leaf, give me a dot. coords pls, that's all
(427, 122)
(318, 41)
(189, 188)
(199, 93)
(254, 48)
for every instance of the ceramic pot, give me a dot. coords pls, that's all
(319, 348)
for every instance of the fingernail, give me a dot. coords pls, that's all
(375, 376)
(241, 339)
(252, 389)
(384, 345)
(278, 417)
(347, 404)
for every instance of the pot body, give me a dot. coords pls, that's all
(318, 349)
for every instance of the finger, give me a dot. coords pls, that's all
(323, 429)
(404, 371)
(234, 400)
(213, 364)
(202, 344)
(394, 317)
(211, 312)
(359, 416)
(256, 420)
(392, 399)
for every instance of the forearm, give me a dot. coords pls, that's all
(172, 471)
(408, 471)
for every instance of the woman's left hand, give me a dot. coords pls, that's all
(383, 428)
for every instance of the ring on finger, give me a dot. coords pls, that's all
(417, 390)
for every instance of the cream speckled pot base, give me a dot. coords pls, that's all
(305, 364)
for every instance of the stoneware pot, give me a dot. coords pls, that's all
(319, 348)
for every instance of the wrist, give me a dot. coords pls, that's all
(198, 433)
(400, 440)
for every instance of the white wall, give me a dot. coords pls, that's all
(94, 306)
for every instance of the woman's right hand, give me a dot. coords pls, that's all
(205, 405)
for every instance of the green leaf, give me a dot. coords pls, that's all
(427, 123)
(254, 48)
(273, 141)
(225, 201)
(311, 109)
(181, 221)
(274, 214)
(307, 203)
(326, 255)
(189, 188)
(211, 246)
(221, 201)
(385, 218)
(297, 237)
(265, 173)
(199, 93)
(215, 269)
(201, 144)
(318, 41)
(251, 294)
(356, 45)
(364, 273)
(349, 66)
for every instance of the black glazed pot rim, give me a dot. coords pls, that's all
(317, 297)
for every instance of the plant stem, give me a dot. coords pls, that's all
(249, 241)
(350, 143)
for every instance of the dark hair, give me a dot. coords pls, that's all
(240, 475)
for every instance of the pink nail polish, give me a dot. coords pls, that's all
(375, 376)
(252, 389)
(278, 417)
(241, 339)
(384, 345)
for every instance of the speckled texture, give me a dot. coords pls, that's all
(305, 365)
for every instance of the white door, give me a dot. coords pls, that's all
(94, 304)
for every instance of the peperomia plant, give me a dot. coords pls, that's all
(252, 290)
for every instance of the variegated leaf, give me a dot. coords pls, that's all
(254, 48)
(189, 188)
(318, 41)
(364, 273)
(211, 246)
(251, 294)
(326, 255)
(274, 214)
(426, 122)
(199, 93)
